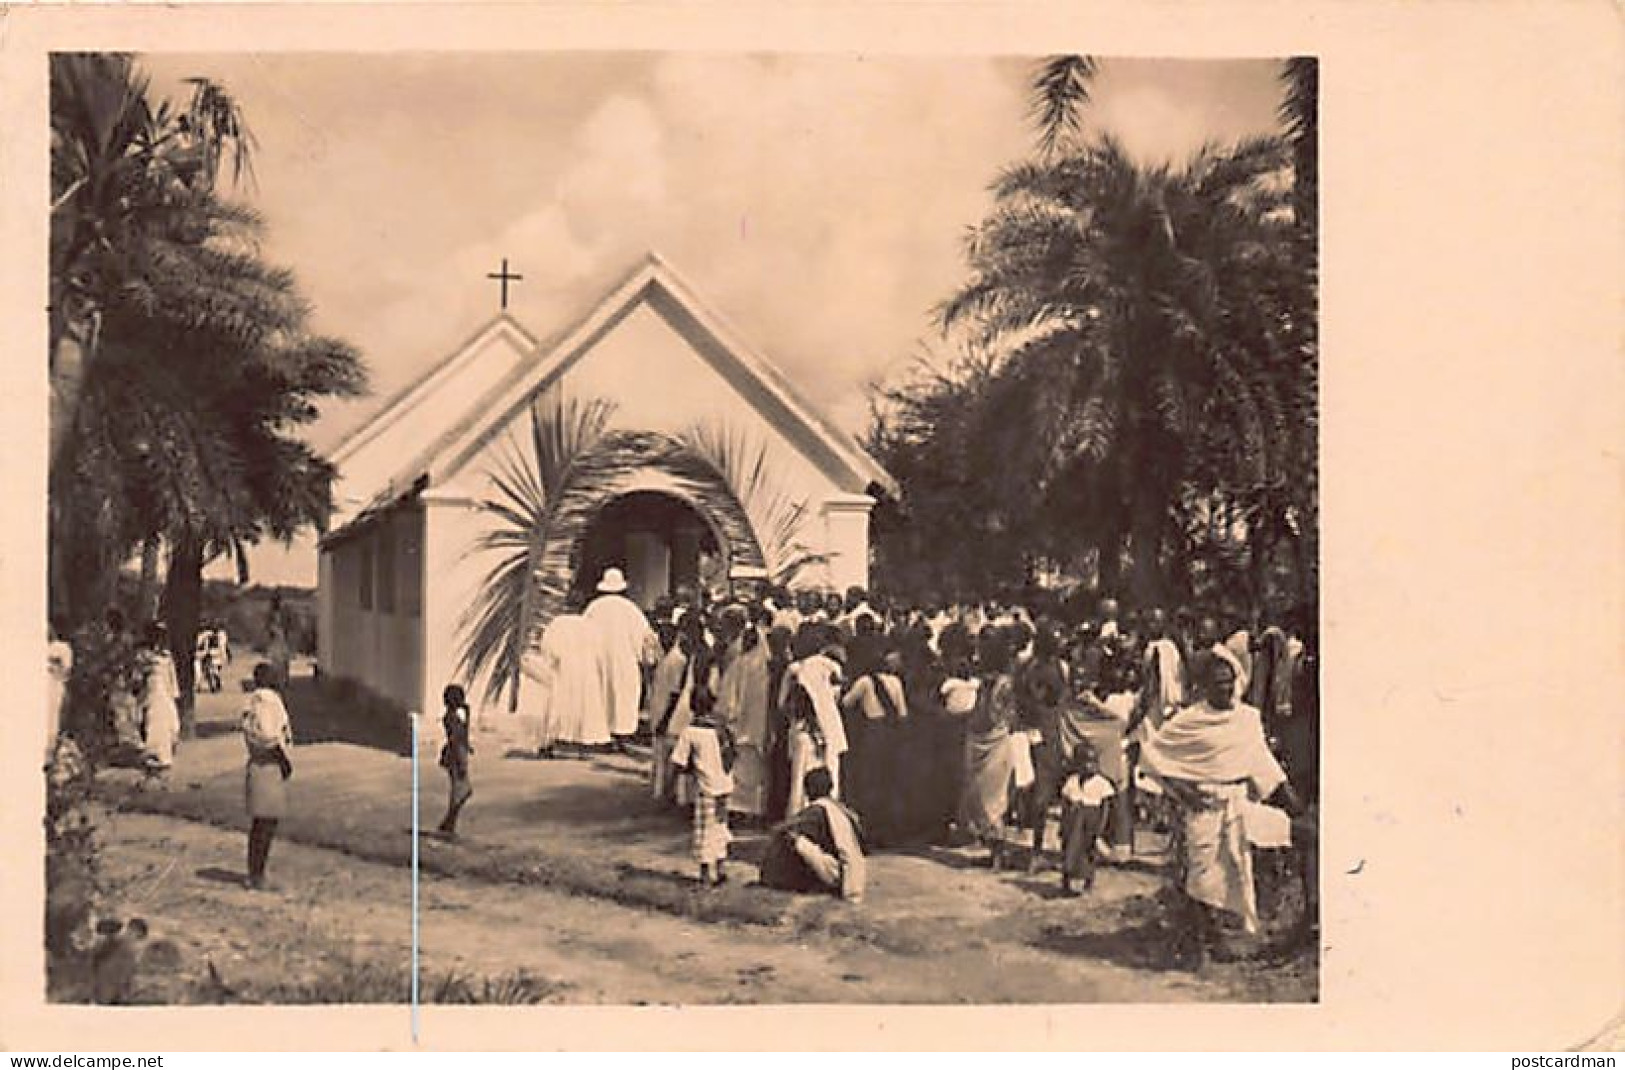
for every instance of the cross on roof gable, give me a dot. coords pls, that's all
(653, 280)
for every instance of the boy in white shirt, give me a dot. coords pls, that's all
(1084, 810)
(705, 750)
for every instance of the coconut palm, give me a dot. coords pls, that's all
(124, 171)
(181, 363)
(528, 481)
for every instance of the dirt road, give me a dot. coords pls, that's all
(332, 914)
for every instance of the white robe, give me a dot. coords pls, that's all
(624, 644)
(160, 709)
(575, 706)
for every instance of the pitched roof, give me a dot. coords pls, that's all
(415, 392)
(653, 279)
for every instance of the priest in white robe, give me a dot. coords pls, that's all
(625, 643)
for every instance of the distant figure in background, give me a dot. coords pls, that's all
(811, 690)
(277, 650)
(743, 706)
(58, 667)
(664, 685)
(820, 848)
(989, 756)
(118, 663)
(1109, 626)
(625, 644)
(160, 698)
(454, 755)
(268, 737)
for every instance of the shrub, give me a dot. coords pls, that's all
(73, 885)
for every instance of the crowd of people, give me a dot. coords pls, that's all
(850, 723)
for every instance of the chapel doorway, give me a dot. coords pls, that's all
(658, 540)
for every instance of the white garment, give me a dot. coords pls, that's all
(532, 707)
(1021, 759)
(59, 666)
(959, 696)
(700, 742)
(820, 677)
(575, 693)
(804, 758)
(160, 711)
(664, 682)
(1092, 792)
(1242, 677)
(1266, 826)
(623, 639)
(1169, 681)
(265, 722)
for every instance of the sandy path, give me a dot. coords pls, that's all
(330, 908)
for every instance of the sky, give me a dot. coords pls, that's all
(818, 202)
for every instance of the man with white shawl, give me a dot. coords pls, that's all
(626, 643)
(818, 677)
(1212, 758)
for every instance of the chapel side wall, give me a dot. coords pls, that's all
(373, 638)
(348, 641)
(326, 595)
(453, 575)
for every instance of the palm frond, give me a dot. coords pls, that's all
(530, 478)
(1059, 93)
(777, 519)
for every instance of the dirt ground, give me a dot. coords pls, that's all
(329, 914)
(572, 885)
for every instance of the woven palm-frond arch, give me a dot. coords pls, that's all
(621, 463)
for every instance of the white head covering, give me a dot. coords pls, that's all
(614, 582)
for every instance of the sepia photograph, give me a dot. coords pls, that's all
(682, 528)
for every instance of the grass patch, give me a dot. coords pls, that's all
(373, 982)
(570, 873)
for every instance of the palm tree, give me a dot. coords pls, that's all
(181, 363)
(1134, 308)
(123, 171)
(528, 482)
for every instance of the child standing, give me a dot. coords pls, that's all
(1084, 803)
(454, 757)
(268, 738)
(704, 749)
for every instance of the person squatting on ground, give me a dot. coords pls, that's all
(454, 754)
(820, 849)
(268, 737)
(705, 752)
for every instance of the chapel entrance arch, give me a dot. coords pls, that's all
(660, 543)
(616, 487)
